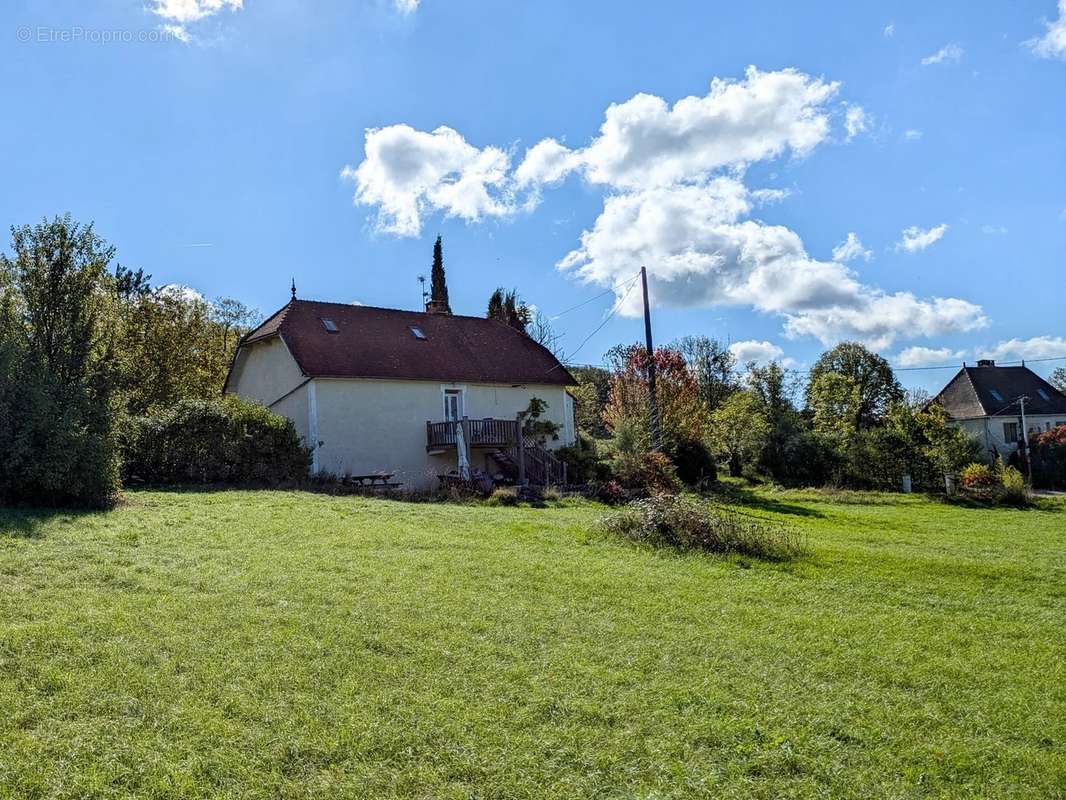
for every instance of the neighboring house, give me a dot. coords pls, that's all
(986, 402)
(383, 390)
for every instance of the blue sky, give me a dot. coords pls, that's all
(791, 174)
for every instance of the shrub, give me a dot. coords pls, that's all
(647, 473)
(1048, 454)
(229, 440)
(683, 523)
(610, 492)
(694, 462)
(979, 478)
(584, 464)
(503, 496)
(1014, 490)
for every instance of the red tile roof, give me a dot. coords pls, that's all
(379, 343)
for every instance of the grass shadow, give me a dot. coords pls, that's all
(27, 522)
(732, 494)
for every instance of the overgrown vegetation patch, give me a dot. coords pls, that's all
(687, 523)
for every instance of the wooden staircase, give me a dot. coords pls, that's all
(542, 467)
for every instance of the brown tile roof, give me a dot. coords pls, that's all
(992, 391)
(379, 343)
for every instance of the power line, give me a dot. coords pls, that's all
(614, 309)
(614, 288)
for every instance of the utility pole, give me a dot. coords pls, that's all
(1025, 440)
(653, 400)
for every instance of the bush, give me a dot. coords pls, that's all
(503, 496)
(694, 462)
(647, 473)
(610, 492)
(584, 464)
(683, 523)
(979, 478)
(1048, 453)
(229, 440)
(1014, 490)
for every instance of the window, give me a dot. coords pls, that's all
(417, 333)
(1044, 395)
(996, 395)
(453, 404)
(1010, 431)
(329, 325)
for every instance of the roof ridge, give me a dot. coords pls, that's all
(396, 310)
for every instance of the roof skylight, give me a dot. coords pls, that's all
(996, 395)
(417, 332)
(329, 325)
(1043, 394)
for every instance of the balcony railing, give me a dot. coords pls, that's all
(482, 433)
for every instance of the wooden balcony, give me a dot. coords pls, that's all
(494, 433)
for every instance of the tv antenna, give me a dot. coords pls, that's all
(425, 294)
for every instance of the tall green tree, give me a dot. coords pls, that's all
(712, 363)
(438, 293)
(1058, 379)
(850, 389)
(506, 307)
(58, 333)
(739, 430)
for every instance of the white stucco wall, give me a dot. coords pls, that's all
(368, 425)
(989, 430)
(264, 371)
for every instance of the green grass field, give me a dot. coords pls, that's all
(274, 644)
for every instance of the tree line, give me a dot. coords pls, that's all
(86, 345)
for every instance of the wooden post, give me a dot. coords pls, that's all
(520, 446)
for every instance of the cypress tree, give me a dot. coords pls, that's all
(439, 286)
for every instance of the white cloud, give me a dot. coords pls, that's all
(645, 142)
(850, 249)
(994, 230)
(547, 162)
(890, 30)
(1017, 349)
(912, 134)
(916, 239)
(926, 356)
(752, 350)
(407, 6)
(1053, 43)
(767, 197)
(408, 173)
(948, 54)
(701, 249)
(856, 121)
(179, 14)
(675, 201)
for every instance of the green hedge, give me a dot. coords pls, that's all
(228, 440)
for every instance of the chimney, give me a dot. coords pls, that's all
(986, 362)
(433, 307)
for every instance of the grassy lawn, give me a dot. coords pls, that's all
(276, 644)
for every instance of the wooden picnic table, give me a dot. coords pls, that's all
(373, 481)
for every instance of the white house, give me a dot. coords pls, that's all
(988, 401)
(379, 390)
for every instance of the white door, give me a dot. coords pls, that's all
(453, 404)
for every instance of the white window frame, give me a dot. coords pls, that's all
(459, 391)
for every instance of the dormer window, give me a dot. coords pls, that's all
(417, 332)
(329, 325)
